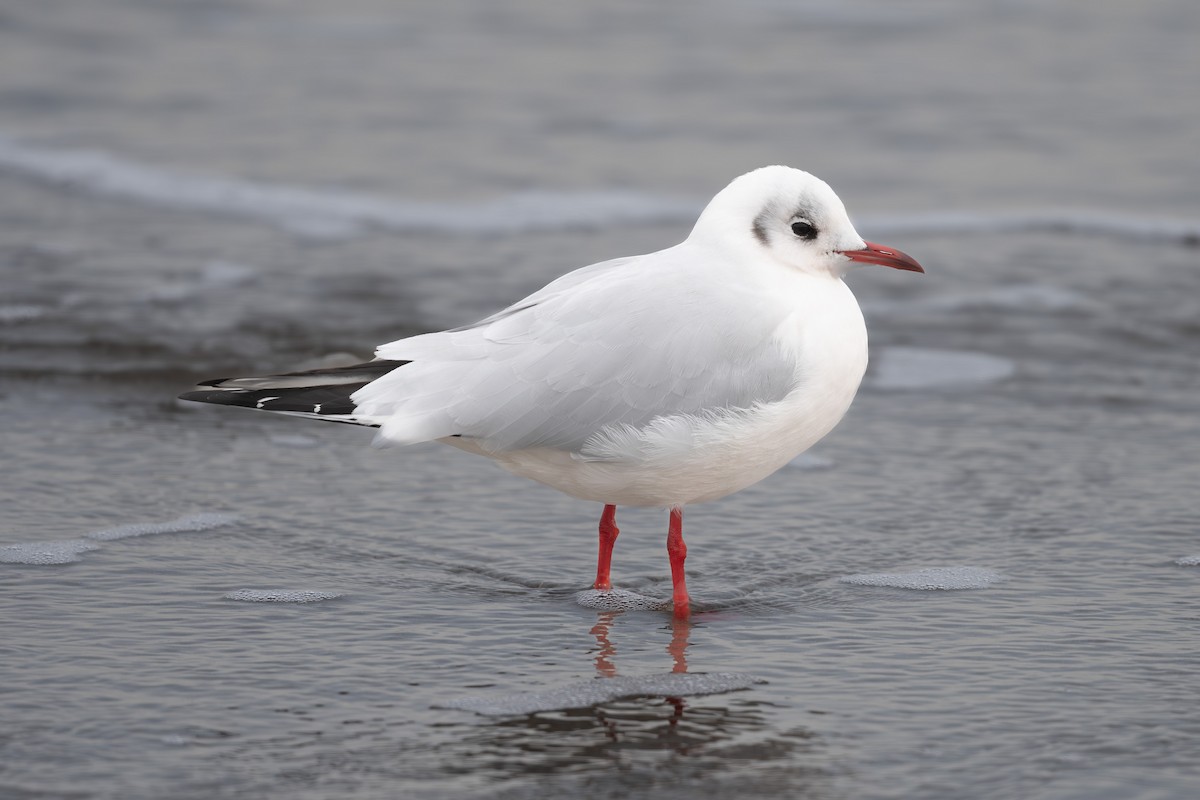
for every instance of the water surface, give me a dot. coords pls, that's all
(982, 584)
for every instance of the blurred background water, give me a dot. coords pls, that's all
(198, 188)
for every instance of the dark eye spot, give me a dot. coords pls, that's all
(804, 230)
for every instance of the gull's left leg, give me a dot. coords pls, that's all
(677, 551)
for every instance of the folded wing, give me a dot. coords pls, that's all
(655, 338)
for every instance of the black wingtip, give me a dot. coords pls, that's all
(322, 392)
(333, 401)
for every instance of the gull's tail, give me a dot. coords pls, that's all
(318, 393)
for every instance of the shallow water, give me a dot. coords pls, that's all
(982, 584)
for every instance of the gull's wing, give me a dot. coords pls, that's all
(618, 343)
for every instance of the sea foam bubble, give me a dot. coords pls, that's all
(282, 595)
(810, 462)
(929, 579)
(191, 522)
(64, 551)
(619, 600)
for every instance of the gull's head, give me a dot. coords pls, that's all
(794, 218)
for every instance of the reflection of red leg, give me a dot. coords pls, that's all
(604, 646)
(608, 537)
(677, 551)
(680, 629)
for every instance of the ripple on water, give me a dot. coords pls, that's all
(604, 690)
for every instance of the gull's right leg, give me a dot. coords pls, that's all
(608, 537)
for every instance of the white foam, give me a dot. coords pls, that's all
(214, 277)
(227, 274)
(619, 600)
(605, 690)
(899, 368)
(65, 551)
(929, 579)
(10, 314)
(329, 213)
(189, 522)
(808, 461)
(1189, 561)
(281, 595)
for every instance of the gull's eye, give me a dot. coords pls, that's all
(804, 230)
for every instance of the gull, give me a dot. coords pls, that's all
(658, 380)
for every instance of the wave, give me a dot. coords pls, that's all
(594, 692)
(321, 213)
(1063, 221)
(1023, 298)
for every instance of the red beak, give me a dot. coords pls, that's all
(887, 256)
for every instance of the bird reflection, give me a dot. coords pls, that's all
(644, 740)
(681, 629)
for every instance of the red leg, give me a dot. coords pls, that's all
(677, 551)
(608, 537)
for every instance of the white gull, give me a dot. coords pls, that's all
(664, 379)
